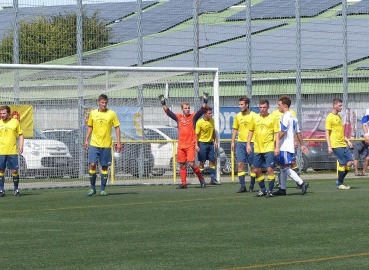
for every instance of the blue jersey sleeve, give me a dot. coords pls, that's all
(171, 115)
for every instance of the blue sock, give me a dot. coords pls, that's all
(93, 179)
(212, 174)
(104, 179)
(341, 176)
(262, 186)
(271, 185)
(2, 181)
(242, 180)
(15, 181)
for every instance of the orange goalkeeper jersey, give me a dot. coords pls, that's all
(186, 127)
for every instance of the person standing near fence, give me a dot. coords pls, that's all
(263, 128)
(289, 130)
(10, 130)
(186, 152)
(337, 143)
(100, 123)
(241, 126)
(207, 143)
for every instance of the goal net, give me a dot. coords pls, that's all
(52, 104)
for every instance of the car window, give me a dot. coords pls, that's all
(153, 135)
(38, 134)
(170, 132)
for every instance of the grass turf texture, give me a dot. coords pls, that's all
(160, 227)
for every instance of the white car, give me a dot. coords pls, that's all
(43, 157)
(163, 152)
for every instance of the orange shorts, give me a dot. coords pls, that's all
(185, 154)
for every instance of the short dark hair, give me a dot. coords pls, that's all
(285, 100)
(102, 96)
(337, 100)
(246, 99)
(207, 108)
(5, 107)
(264, 101)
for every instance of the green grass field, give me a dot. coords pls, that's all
(159, 227)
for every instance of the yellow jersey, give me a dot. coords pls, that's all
(102, 123)
(242, 123)
(264, 130)
(333, 122)
(205, 130)
(9, 132)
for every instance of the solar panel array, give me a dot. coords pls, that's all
(277, 9)
(109, 12)
(276, 50)
(163, 46)
(165, 16)
(361, 7)
(363, 66)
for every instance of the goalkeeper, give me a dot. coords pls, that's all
(186, 138)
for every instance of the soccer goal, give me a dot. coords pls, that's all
(53, 103)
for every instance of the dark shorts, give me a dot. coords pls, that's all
(360, 148)
(242, 155)
(264, 160)
(9, 161)
(99, 154)
(343, 155)
(206, 152)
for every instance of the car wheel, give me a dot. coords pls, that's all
(304, 163)
(227, 168)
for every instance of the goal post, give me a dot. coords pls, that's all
(61, 97)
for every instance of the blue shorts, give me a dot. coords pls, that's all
(206, 152)
(9, 161)
(242, 155)
(264, 160)
(285, 158)
(343, 155)
(99, 154)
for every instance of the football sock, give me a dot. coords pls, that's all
(252, 178)
(297, 170)
(2, 181)
(93, 179)
(347, 169)
(212, 173)
(104, 179)
(261, 182)
(15, 180)
(271, 180)
(283, 180)
(202, 171)
(291, 173)
(278, 170)
(241, 177)
(183, 175)
(341, 175)
(198, 173)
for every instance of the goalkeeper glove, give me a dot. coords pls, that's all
(205, 97)
(162, 99)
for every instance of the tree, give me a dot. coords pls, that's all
(47, 38)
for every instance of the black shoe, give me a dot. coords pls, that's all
(202, 183)
(2, 193)
(181, 186)
(260, 194)
(17, 192)
(277, 186)
(298, 186)
(242, 190)
(269, 194)
(304, 187)
(251, 188)
(279, 192)
(215, 182)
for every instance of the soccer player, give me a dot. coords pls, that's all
(186, 139)
(10, 130)
(100, 123)
(288, 130)
(337, 143)
(277, 114)
(241, 125)
(206, 142)
(264, 128)
(361, 148)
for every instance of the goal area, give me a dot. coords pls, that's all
(52, 103)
